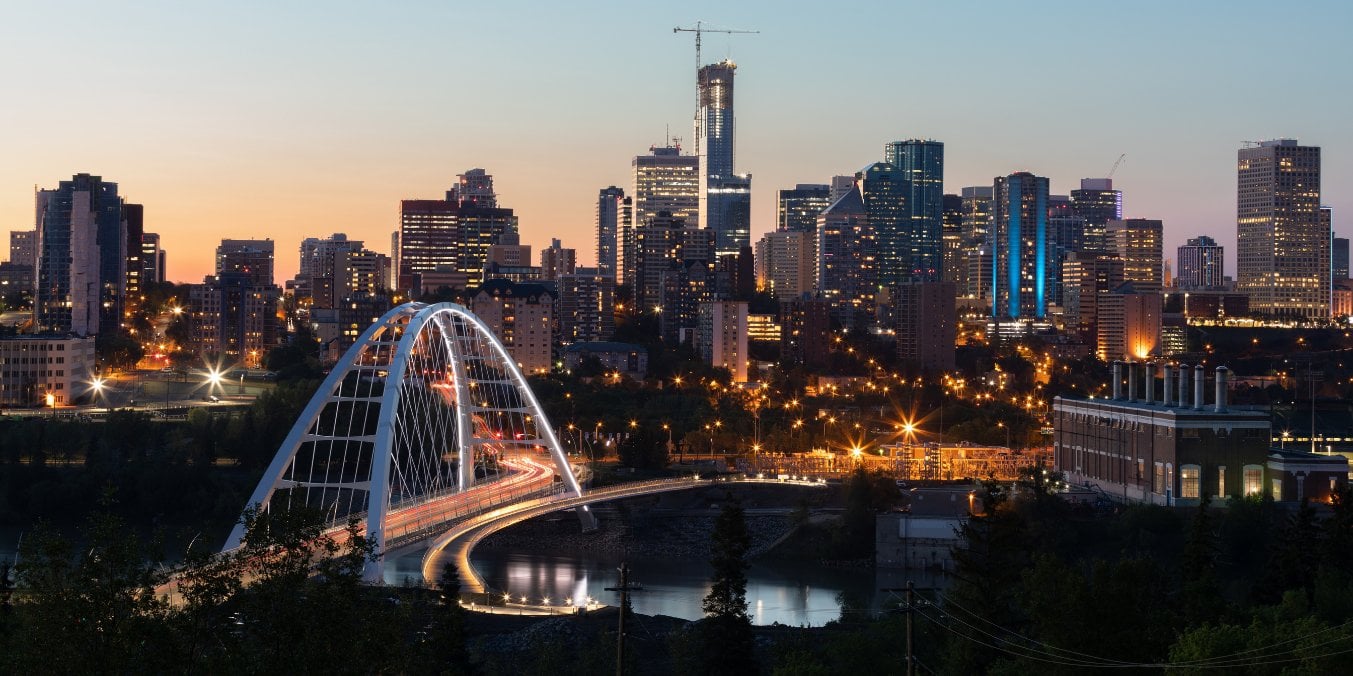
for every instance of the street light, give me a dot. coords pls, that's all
(97, 386)
(1007, 434)
(51, 401)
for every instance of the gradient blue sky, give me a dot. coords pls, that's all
(288, 120)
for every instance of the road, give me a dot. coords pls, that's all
(455, 545)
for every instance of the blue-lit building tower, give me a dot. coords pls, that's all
(920, 165)
(1019, 244)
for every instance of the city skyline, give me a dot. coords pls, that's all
(308, 124)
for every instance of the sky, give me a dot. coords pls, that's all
(300, 119)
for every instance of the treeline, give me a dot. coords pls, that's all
(198, 471)
(100, 607)
(1044, 587)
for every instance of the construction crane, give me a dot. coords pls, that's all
(1115, 165)
(699, 30)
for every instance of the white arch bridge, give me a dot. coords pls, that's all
(425, 420)
(426, 427)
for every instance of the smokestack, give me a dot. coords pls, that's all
(1223, 380)
(1117, 380)
(1183, 386)
(1132, 381)
(1150, 382)
(1199, 380)
(1167, 372)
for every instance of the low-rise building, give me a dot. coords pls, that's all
(627, 359)
(1145, 444)
(34, 366)
(924, 537)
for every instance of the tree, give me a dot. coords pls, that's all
(725, 638)
(89, 608)
(118, 349)
(1200, 594)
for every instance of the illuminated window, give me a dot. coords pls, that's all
(1254, 479)
(1190, 482)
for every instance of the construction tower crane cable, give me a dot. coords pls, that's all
(1115, 165)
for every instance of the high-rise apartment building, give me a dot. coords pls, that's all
(977, 261)
(920, 164)
(1128, 324)
(1087, 277)
(473, 187)
(666, 180)
(725, 196)
(452, 237)
(786, 263)
(1098, 203)
(428, 235)
(586, 306)
(883, 190)
(1019, 237)
(152, 258)
(722, 337)
(805, 327)
(252, 258)
(16, 274)
(1066, 234)
(1283, 258)
(797, 209)
(521, 315)
(926, 324)
(81, 258)
(614, 214)
(23, 247)
(664, 249)
(951, 236)
(555, 260)
(1201, 264)
(234, 312)
(133, 224)
(846, 264)
(317, 253)
(1140, 243)
(1339, 258)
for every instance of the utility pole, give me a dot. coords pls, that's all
(910, 609)
(625, 588)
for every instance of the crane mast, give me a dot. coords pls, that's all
(700, 30)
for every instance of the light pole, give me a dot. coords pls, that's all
(51, 401)
(1007, 433)
(669, 441)
(97, 386)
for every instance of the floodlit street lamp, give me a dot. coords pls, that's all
(51, 401)
(1007, 433)
(96, 385)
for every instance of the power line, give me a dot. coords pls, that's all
(1220, 662)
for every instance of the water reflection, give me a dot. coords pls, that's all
(791, 594)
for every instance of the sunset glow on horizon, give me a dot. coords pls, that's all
(251, 120)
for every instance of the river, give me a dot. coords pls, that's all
(788, 593)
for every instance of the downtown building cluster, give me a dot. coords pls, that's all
(887, 250)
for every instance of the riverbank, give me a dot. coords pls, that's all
(672, 526)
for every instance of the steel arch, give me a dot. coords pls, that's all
(404, 415)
